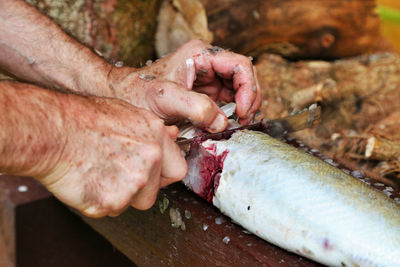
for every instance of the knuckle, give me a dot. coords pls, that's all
(114, 203)
(110, 204)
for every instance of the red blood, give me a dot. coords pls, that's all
(209, 171)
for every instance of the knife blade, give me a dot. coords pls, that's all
(276, 128)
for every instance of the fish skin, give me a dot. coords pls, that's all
(303, 204)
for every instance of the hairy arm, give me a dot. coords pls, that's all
(31, 129)
(35, 49)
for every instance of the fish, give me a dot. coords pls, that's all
(295, 200)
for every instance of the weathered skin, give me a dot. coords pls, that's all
(301, 203)
(120, 147)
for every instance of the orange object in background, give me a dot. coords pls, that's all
(389, 11)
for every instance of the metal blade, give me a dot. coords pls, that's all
(275, 128)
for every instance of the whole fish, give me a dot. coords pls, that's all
(296, 201)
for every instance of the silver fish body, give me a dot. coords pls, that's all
(297, 201)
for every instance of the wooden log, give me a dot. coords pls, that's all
(294, 29)
(118, 30)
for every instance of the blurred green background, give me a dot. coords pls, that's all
(389, 11)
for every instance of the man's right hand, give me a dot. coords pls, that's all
(115, 156)
(97, 155)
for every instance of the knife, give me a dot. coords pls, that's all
(277, 128)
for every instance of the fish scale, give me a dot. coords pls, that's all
(303, 204)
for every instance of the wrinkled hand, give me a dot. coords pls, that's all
(183, 84)
(115, 155)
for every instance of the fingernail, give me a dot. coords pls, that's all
(218, 124)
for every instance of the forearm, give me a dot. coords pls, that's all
(35, 49)
(31, 123)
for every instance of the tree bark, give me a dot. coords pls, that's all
(294, 29)
(118, 30)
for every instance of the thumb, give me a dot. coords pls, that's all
(176, 102)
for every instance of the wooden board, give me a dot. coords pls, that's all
(208, 239)
(37, 230)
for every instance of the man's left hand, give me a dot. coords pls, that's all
(175, 87)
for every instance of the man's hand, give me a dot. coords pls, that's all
(171, 86)
(95, 154)
(35, 49)
(115, 156)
